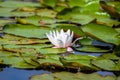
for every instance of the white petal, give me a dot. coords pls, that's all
(68, 32)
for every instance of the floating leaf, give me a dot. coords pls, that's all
(4, 22)
(78, 61)
(11, 39)
(21, 14)
(36, 20)
(35, 48)
(50, 3)
(102, 32)
(46, 13)
(86, 41)
(109, 56)
(89, 48)
(30, 31)
(106, 64)
(17, 4)
(6, 12)
(71, 76)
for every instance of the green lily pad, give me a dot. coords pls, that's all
(82, 19)
(36, 20)
(15, 60)
(104, 18)
(4, 22)
(78, 61)
(91, 7)
(21, 14)
(109, 56)
(89, 48)
(17, 4)
(27, 63)
(102, 32)
(106, 64)
(6, 12)
(71, 76)
(0, 47)
(30, 31)
(50, 63)
(7, 54)
(50, 3)
(86, 41)
(46, 13)
(11, 39)
(35, 48)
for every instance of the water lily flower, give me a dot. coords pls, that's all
(61, 39)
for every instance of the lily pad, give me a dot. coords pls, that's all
(35, 48)
(86, 41)
(89, 48)
(4, 22)
(78, 61)
(106, 64)
(50, 3)
(102, 32)
(6, 12)
(17, 4)
(71, 76)
(12, 39)
(30, 31)
(36, 20)
(46, 13)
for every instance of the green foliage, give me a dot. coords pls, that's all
(71, 76)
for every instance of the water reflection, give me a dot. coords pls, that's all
(19, 74)
(105, 73)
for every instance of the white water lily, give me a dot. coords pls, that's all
(61, 39)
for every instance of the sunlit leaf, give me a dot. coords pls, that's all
(6, 12)
(106, 64)
(50, 3)
(36, 20)
(102, 32)
(11, 39)
(35, 48)
(78, 61)
(26, 30)
(17, 4)
(86, 41)
(46, 13)
(4, 22)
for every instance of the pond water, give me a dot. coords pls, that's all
(19, 74)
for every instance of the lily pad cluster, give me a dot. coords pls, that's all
(24, 44)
